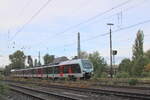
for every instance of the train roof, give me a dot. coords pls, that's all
(75, 61)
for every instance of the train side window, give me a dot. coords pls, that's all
(65, 69)
(75, 68)
(49, 70)
(56, 69)
(45, 71)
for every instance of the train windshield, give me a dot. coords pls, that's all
(87, 64)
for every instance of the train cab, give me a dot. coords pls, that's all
(87, 68)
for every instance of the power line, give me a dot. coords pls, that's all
(32, 17)
(98, 16)
(105, 34)
(94, 17)
(24, 7)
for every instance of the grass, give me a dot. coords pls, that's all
(89, 83)
(3, 88)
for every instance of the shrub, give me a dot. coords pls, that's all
(132, 81)
(3, 88)
(1, 77)
(145, 74)
(104, 75)
(122, 75)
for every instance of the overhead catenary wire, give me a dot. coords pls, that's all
(94, 17)
(24, 7)
(105, 34)
(32, 17)
(98, 36)
(129, 8)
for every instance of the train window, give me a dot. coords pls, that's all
(33, 71)
(49, 70)
(45, 71)
(56, 70)
(86, 64)
(66, 67)
(75, 68)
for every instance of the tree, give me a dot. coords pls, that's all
(147, 61)
(84, 55)
(147, 56)
(147, 67)
(138, 46)
(48, 59)
(137, 58)
(7, 70)
(17, 60)
(30, 61)
(138, 66)
(98, 62)
(125, 65)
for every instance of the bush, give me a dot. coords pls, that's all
(132, 81)
(145, 74)
(3, 88)
(104, 75)
(122, 75)
(1, 77)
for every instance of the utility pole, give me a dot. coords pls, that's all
(39, 63)
(78, 49)
(111, 69)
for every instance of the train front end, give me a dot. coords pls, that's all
(87, 69)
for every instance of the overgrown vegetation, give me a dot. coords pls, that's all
(3, 88)
(122, 75)
(132, 81)
(139, 65)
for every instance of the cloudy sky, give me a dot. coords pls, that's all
(51, 26)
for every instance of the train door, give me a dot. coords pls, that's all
(69, 70)
(61, 70)
(39, 72)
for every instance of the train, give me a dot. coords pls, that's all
(72, 69)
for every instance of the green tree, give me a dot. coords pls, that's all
(98, 62)
(125, 66)
(7, 69)
(84, 55)
(30, 61)
(48, 59)
(147, 56)
(137, 58)
(138, 46)
(17, 60)
(147, 68)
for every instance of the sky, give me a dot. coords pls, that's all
(51, 26)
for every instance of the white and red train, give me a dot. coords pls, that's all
(78, 68)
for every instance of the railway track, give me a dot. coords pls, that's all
(40, 94)
(107, 92)
(124, 94)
